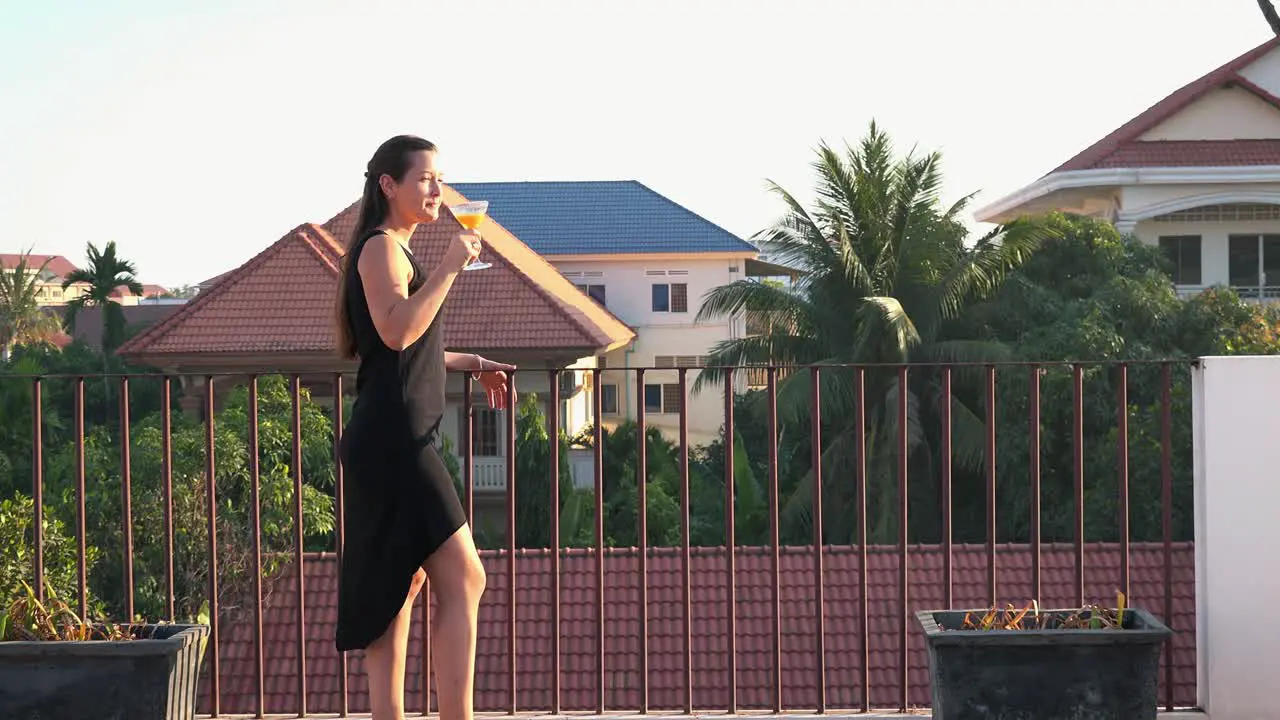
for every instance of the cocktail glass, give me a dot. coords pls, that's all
(470, 215)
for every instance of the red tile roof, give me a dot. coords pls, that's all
(1100, 153)
(148, 291)
(1193, 153)
(281, 300)
(666, 630)
(58, 265)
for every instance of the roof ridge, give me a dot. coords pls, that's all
(1252, 87)
(323, 244)
(699, 217)
(229, 279)
(511, 242)
(1165, 108)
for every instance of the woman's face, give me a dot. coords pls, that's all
(417, 196)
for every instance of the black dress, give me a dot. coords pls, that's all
(400, 500)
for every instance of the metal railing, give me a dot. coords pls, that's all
(873, 446)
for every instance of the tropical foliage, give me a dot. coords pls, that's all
(22, 319)
(105, 274)
(887, 274)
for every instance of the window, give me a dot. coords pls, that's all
(595, 291)
(568, 383)
(1253, 264)
(664, 398)
(1184, 252)
(671, 297)
(1270, 261)
(609, 399)
(662, 298)
(1242, 260)
(486, 438)
(679, 298)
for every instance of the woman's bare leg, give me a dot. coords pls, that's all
(457, 579)
(385, 659)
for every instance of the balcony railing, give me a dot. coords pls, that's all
(776, 571)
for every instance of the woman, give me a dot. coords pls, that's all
(404, 522)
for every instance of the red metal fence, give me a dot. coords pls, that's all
(748, 623)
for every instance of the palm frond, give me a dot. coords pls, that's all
(968, 438)
(982, 270)
(884, 329)
(78, 276)
(761, 300)
(963, 351)
(776, 348)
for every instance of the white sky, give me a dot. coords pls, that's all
(194, 134)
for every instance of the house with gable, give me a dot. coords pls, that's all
(274, 313)
(650, 261)
(1197, 173)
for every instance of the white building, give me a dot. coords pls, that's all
(1198, 173)
(650, 262)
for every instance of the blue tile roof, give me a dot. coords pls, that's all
(599, 217)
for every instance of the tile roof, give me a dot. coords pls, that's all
(666, 631)
(281, 300)
(600, 217)
(89, 320)
(148, 291)
(58, 265)
(1100, 154)
(1193, 153)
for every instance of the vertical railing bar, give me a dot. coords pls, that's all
(992, 590)
(1166, 519)
(166, 435)
(211, 505)
(340, 515)
(860, 497)
(685, 555)
(553, 419)
(424, 616)
(468, 451)
(597, 436)
(1034, 435)
(686, 560)
(512, 584)
(904, 560)
(1122, 470)
(642, 564)
(82, 539)
(1077, 431)
(775, 538)
(298, 538)
(255, 500)
(819, 599)
(37, 488)
(126, 499)
(730, 541)
(948, 551)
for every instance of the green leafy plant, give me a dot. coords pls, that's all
(27, 618)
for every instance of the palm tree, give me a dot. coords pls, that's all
(22, 320)
(885, 271)
(106, 272)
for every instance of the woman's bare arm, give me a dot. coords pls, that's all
(386, 271)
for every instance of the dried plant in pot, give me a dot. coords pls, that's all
(55, 664)
(1091, 663)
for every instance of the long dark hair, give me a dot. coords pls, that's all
(391, 158)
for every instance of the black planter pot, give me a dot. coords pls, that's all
(1043, 674)
(151, 679)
